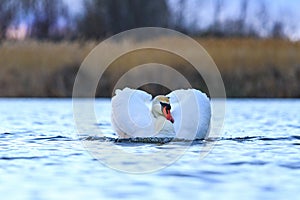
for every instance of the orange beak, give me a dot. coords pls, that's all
(168, 115)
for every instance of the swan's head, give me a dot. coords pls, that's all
(161, 106)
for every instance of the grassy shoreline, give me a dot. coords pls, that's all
(249, 67)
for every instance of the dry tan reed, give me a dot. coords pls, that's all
(250, 67)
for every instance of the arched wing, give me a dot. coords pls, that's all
(191, 112)
(131, 115)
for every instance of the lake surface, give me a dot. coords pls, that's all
(42, 157)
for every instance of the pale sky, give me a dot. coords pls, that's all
(286, 11)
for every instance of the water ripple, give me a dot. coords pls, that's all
(253, 138)
(161, 140)
(23, 157)
(55, 138)
(295, 165)
(149, 140)
(256, 163)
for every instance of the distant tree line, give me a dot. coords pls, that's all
(52, 20)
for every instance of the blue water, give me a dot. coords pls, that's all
(42, 157)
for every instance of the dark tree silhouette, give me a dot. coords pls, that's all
(45, 16)
(106, 17)
(7, 9)
(278, 30)
(50, 19)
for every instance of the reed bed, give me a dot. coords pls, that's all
(249, 67)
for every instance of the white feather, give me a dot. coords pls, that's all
(132, 116)
(191, 112)
(130, 112)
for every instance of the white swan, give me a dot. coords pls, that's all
(182, 114)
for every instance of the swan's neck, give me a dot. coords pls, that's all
(162, 125)
(156, 111)
(159, 124)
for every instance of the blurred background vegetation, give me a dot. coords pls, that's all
(43, 42)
